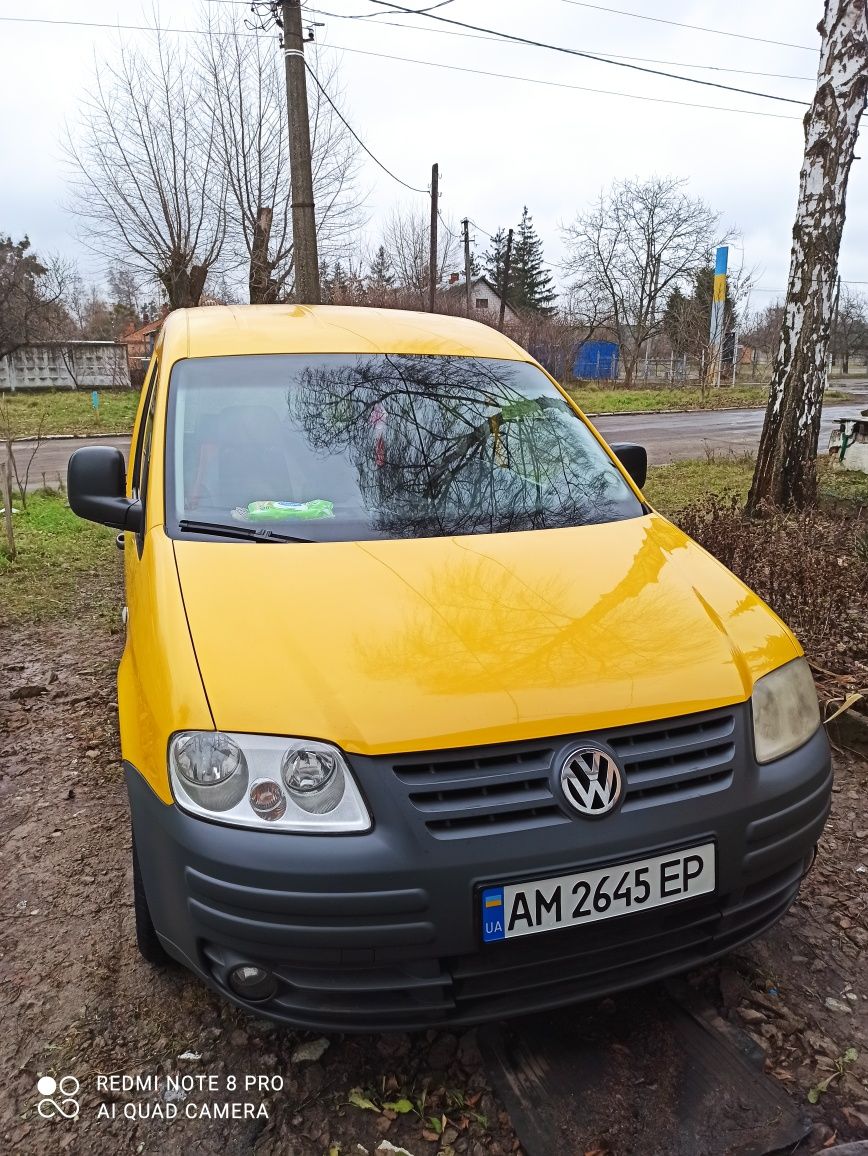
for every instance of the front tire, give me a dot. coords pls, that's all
(147, 940)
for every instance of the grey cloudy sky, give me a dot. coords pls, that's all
(500, 143)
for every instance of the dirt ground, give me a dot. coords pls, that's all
(78, 1000)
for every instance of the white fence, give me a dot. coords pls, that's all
(66, 365)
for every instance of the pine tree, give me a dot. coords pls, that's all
(381, 273)
(493, 259)
(687, 319)
(676, 321)
(530, 282)
(334, 283)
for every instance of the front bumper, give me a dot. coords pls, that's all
(381, 930)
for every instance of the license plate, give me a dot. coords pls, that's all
(517, 909)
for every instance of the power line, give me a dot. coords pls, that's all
(454, 236)
(415, 11)
(391, 24)
(612, 58)
(404, 59)
(470, 221)
(588, 56)
(480, 228)
(593, 52)
(355, 135)
(561, 84)
(762, 289)
(206, 32)
(116, 27)
(692, 27)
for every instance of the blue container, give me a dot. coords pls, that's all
(597, 361)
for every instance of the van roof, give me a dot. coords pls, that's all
(237, 329)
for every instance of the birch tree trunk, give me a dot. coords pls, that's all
(785, 473)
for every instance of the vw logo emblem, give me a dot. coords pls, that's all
(591, 781)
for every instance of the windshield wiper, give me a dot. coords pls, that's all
(251, 533)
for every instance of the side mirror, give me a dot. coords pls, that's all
(96, 483)
(634, 459)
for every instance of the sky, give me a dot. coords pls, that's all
(500, 143)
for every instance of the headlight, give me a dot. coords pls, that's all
(211, 768)
(261, 781)
(785, 710)
(314, 778)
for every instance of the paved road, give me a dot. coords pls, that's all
(676, 436)
(668, 437)
(49, 463)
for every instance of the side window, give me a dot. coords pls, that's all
(142, 456)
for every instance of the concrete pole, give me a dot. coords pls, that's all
(432, 262)
(504, 289)
(307, 286)
(466, 224)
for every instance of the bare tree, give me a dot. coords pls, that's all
(785, 473)
(850, 330)
(638, 242)
(126, 290)
(762, 332)
(31, 295)
(149, 183)
(407, 247)
(242, 86)
(11, 466)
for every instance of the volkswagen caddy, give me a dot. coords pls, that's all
(427, 716)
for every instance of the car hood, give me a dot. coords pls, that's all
(409, 645)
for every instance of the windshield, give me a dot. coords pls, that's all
(344, 447)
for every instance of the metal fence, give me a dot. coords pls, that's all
(682, 370)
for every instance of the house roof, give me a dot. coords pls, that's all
(136, 336)
(488, 285)
(459, 287)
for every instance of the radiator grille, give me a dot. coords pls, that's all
(492, 790)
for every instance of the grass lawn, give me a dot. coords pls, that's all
(594, 399)
(69, 412)
(616, 399)
(672, 487)
(59, 558)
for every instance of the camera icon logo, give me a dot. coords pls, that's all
(66, 1105)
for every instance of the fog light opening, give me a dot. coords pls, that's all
(252, 982)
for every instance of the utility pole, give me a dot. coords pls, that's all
(307, 288)
(507, 261)
(466, 224)
(648, 345)
(432, 264)
(833, 332)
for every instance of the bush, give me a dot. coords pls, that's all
(812, 570)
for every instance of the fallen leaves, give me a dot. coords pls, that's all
(841, 1064)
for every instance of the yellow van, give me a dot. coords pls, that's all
(427, 716)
